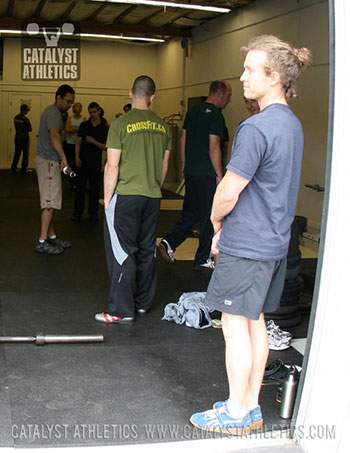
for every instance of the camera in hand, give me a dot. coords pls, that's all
(69, 172)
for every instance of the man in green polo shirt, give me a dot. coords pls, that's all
(202, 132)
(138, 150)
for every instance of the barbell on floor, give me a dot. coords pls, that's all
(41, 339)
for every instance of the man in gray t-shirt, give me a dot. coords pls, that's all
(253, 209)
(49, 162)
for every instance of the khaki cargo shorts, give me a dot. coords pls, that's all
(50, 183)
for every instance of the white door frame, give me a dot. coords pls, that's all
(322, 422)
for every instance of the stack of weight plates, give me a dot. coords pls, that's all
(288, 314)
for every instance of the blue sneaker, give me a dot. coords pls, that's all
(255, 415)
(220, 421)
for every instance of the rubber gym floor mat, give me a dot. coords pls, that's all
(128, 382)
(114, 392)
(5, 407)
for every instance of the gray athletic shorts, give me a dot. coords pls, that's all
(241, 286)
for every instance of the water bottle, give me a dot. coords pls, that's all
(69, 172)
(288, 394)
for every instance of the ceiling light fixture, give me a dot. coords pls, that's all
(128, 38)
(93, 35)
(214, 9)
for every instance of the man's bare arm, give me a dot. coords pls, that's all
(226, 195)
(183, 149)
(77, 152)
(56, 140)
(165, 165)
(111, 172)
(215, 155)
(225, 199)
(69, 128)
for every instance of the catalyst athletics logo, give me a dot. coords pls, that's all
(50, 52)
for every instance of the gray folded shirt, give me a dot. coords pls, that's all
(189, 309)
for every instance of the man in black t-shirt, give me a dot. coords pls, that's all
(23, 127)
(201, 155)
(92, 136)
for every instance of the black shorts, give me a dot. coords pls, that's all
(241, 286)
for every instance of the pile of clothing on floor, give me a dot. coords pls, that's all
(192, 311)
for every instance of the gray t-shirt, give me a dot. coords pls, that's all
(50, 118)
(267, 150)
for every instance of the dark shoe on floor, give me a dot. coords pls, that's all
(58, 242)
(47, 247)
(14, 169)
(166, 251)
(275, 373)
(76, 217)
(111, 319)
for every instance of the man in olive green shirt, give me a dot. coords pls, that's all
(138, 150)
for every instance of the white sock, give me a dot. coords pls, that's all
(53, 237)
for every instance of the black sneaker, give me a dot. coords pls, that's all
(275, 373)
(58, 242)
(47, 247)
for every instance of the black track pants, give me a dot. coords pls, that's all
(200, 191)
(130, 241)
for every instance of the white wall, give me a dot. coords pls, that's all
(214, 53)
(108, 69)
(107, 72)
(325, 402)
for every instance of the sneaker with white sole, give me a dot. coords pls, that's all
(271, 326)
(278, 342)
(255, 415)
(58, 242)
(112, 319)
(220, 421)
(279, 339)
(209, 264)
(166, 251)
(48, 247)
